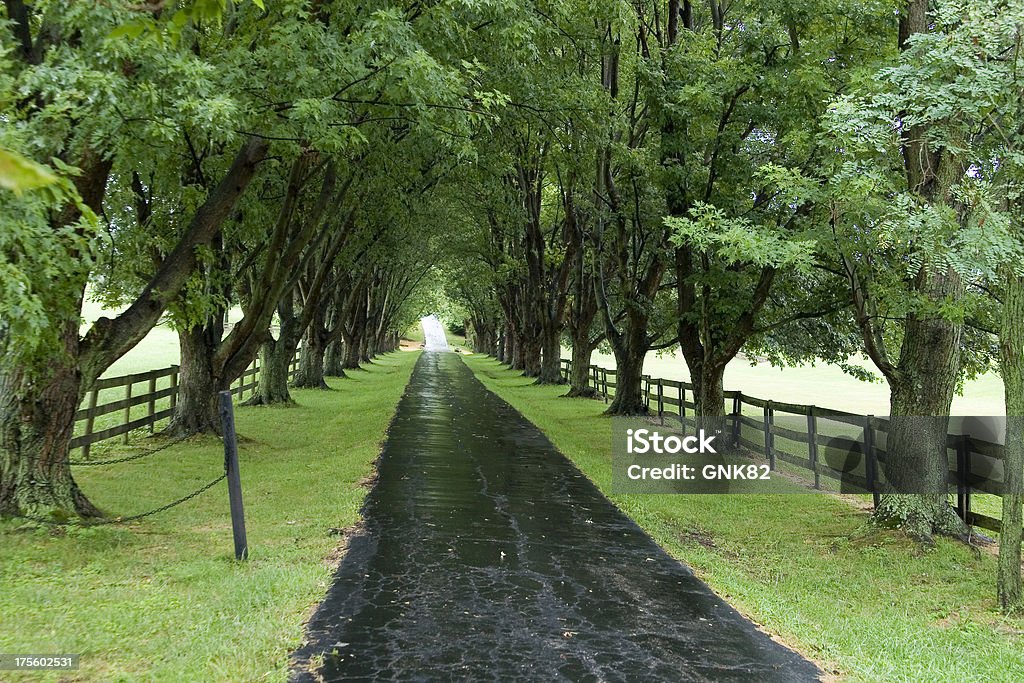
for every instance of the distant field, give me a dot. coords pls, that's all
(158, 350)
(823, 385)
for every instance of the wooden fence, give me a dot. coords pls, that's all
(824, 442)
(128, 392)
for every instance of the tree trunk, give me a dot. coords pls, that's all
(351, 354)
(509, 355)
(195, 411)
(272, 388)
(333, 358)
(37, 418)
(310, 374)
(518, 354)
(579, 369)
(709, 397)
(551, 359)
(1011, 356)
(364, 347)
(921, 393)
(530, 356)
(629, 370)
(500, 348)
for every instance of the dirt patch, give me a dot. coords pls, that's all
(699, 537)
(333, 559)
(409, 345)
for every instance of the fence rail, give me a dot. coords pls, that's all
(826, 441)
(151, 394)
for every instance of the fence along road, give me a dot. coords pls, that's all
(159, 402)
(87, 416)
(823, 440)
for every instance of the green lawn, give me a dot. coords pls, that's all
(415, 333)
(820, 384)
(163, 599)
(865, 603)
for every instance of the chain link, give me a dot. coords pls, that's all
(122, 520)
(129, 458)
(114, 461)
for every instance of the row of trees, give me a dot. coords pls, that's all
(798, 181)
(271, 161)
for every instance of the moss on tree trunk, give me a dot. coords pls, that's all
(37, 418)
(1011, 356)
(551, 359)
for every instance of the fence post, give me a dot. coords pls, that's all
(812, 445)
(737, 410)
(682, 407)
(871, 459)
(604, 383)
(127, 407)
(661, 401)
(174, 386)
(152, 404)
(90, 420)
(963, 473)
(769, 415)
(227, 417)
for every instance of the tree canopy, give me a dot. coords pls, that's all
(821, 179)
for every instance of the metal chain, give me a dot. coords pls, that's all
(122, 520)
(129, 458)
(114, 461)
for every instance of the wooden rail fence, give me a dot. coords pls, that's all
(825, 442)
(132, 396)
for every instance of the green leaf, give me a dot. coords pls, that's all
(18, 173)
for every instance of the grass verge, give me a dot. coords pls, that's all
(163, 599)
(866, 603)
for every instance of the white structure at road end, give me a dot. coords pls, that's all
(433, 334)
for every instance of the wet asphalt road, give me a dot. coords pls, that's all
(487, 556)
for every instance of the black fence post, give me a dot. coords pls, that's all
(812, 445)
(871, 460)
(769, 420)
(227, 417)
(682, 407)
(737, 411)
(963, 473)
(661, 401)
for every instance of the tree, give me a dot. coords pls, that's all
(903, 213)
(740, 144)
(86, 127)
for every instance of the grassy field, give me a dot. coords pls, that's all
(865, 603)
(821, 384)
(163, 599)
